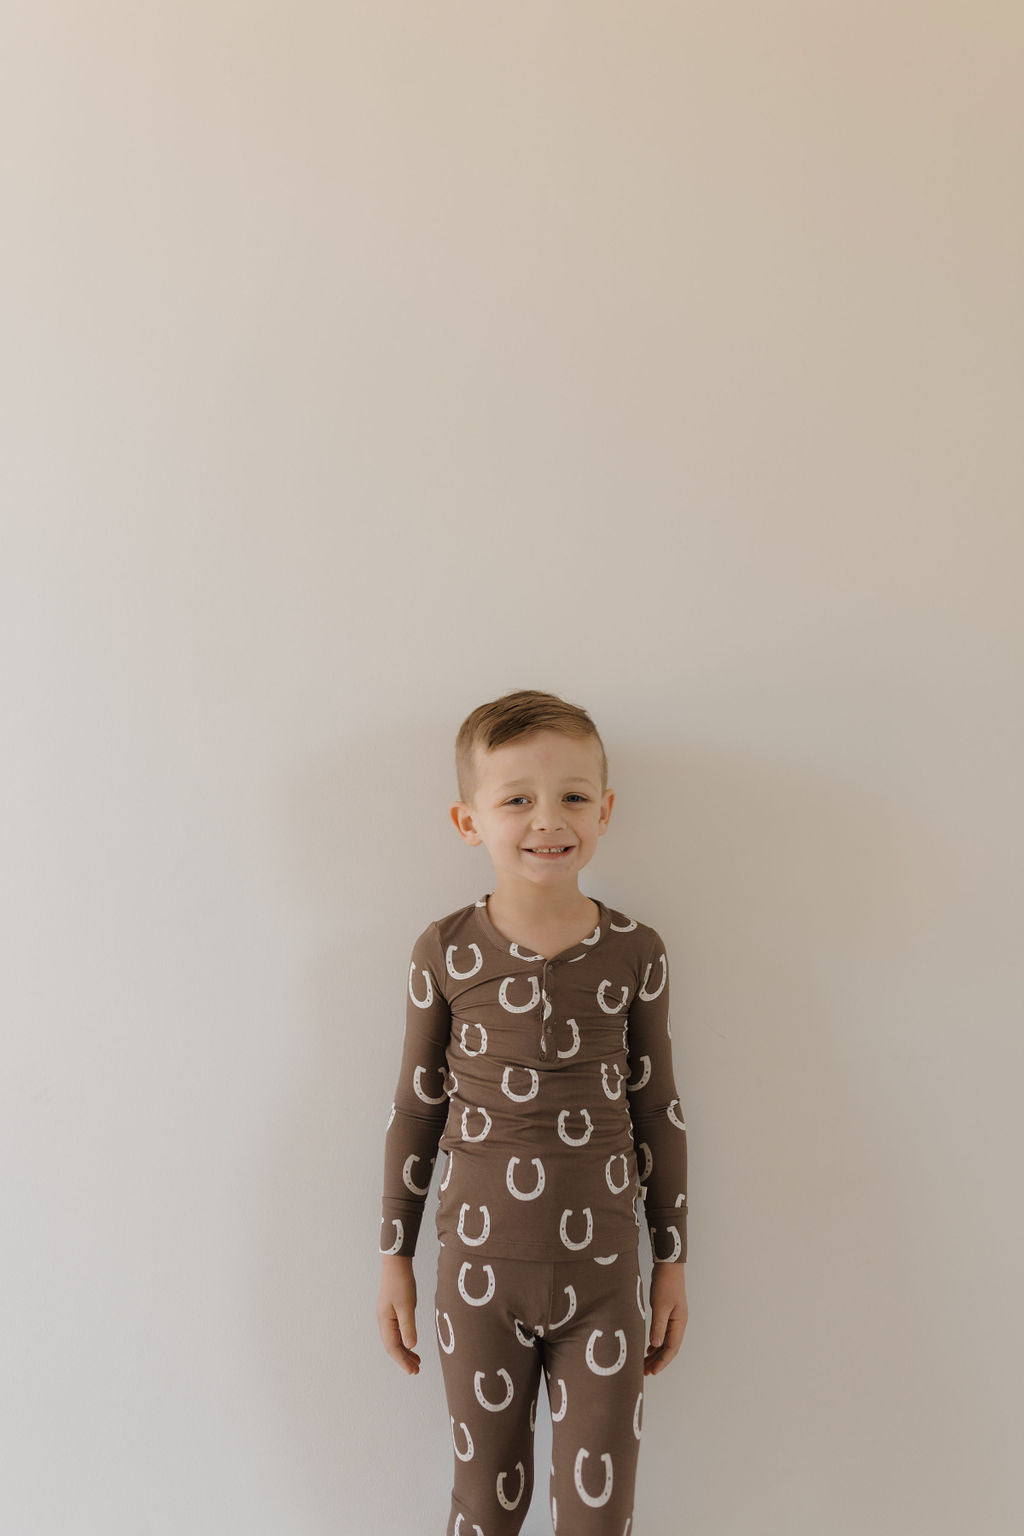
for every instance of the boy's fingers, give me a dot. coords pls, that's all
(659, 1320)
(406, 1358)
(667, 1331)
(404, 1312)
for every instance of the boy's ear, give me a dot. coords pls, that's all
(462, 816)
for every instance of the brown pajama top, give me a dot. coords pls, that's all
(549, 1083)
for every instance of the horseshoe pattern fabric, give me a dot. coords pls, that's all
(548, 1083)
(500, 1323)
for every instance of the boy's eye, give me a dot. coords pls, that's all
(572, 796)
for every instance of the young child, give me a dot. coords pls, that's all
(538, 1055)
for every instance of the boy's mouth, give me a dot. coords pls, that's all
(543, 853)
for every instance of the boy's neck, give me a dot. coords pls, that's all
(533, 909)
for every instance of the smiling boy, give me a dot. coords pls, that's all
(537, 1054)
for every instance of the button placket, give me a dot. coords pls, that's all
(548, 1027)
(544, 1031)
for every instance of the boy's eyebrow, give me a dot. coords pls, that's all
(576, 779)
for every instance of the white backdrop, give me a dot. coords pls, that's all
(361, 362)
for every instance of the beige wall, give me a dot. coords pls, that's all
(361, 362)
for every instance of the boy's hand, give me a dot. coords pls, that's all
(668, 1316)
(396, 1311)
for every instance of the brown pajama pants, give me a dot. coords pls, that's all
(499, 1322)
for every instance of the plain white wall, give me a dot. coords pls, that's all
(361, 362)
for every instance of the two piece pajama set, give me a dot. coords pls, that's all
(549, 1084)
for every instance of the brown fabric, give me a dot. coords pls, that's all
(499, 1322)
(543, 1080)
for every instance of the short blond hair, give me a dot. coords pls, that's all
(512, 716)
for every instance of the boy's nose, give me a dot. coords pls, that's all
(544, 820)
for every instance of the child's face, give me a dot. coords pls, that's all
(542, 791)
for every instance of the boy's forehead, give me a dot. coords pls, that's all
(507, 766)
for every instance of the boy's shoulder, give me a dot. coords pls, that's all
(633, 932)
(446, 930)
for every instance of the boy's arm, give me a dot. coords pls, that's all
(420, 1108)
(658, 1128)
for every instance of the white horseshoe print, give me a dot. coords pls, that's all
(398, 1240)
(557, 1417)
(605, 1008)
(637, 1416)
(466, 1455)
(606, 1370)
(419, 1091)
(626, 927)
(617, 1189)
(407, 1179)
(604, 1079)
(574, 1141)
(643, 994)
(454, 1088)
(520, 1098)
(677, 1246)
(648, 1161)
(533, 1416)
(467, 1024)
(476, 1301)
(462, 975)
(590, 1228)
(674, 1117)
(575, 1040)
(521, 954)
(594, 1500)
(448, 1171)
(465, 1124)
(524, 1338)
(640, 1297)
(680, 1199)
(479, 1532)
(525, 1194)
(644, 1076)
(391, 1116)
(451, 1332)
(608, 1259)
(478, 1389)
(519, 1008)
(426, 1001)
(505, 1502)
(571, 1293)
(474, 1241)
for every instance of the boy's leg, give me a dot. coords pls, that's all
(594, 1364)
(491, 1369)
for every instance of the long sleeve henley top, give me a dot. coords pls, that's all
(549, 1084)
